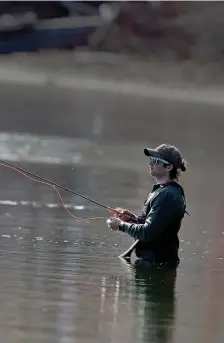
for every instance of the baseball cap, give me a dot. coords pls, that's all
(169, 153)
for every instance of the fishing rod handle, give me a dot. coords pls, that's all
(113, 211)
(120, 214)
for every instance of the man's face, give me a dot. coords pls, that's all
(158, 167)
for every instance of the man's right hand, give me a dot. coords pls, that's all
(126, 216)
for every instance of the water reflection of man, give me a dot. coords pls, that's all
(157, 228)
(155, 301)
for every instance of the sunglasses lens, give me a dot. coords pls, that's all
(153, 160)
(156, 160)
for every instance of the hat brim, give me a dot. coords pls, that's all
(151, 152)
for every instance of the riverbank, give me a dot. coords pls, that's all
(182, 81)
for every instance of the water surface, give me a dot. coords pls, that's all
(61, 279)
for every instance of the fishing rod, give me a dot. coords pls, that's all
(54, 184)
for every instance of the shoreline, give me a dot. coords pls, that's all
(113, 73)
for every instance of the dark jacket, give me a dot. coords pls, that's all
(158, 226)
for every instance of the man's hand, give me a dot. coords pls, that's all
(113, 223)
(126, 216)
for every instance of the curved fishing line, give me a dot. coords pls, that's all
(54, 187)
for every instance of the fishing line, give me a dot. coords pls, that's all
(24, 173)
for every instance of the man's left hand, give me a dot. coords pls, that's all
(114, 223)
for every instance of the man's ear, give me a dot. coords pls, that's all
(169, 167)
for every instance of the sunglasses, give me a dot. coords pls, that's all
(156, 160)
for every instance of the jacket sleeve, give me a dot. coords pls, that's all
(163, 208)
(140, 220)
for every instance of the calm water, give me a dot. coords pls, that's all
(61, 279)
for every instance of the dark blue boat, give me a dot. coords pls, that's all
(29, 29)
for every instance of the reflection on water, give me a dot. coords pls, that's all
(61, 279)
(156, 288)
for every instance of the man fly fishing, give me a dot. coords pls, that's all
(156, 230)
